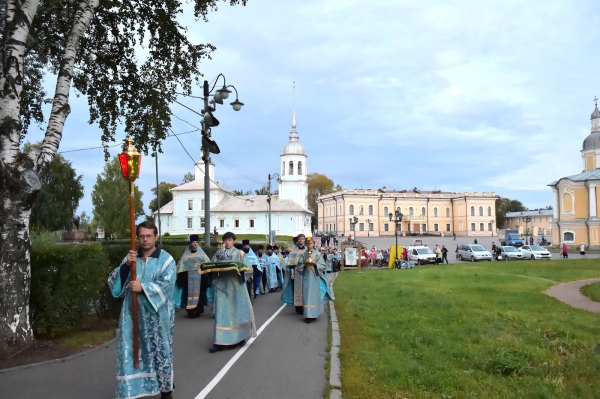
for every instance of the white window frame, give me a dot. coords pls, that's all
(190, 205)
(481, 227)
(435, 212)
(436, 227)
(236, 223)
(473, 227)
(448, 227)
(251, 224)
(190, 223)
(202, 223)
(371, 226)
(386, 227)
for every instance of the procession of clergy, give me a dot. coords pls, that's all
(228, 282)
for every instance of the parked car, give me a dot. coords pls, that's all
(535, 252)
(420, 254)
(508, 252)
(473, 252)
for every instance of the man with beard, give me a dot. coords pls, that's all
(190, 289)
(292, 287)
(251, 259)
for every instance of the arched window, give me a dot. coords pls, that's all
(447, 211)
(299, 168)
(291, 167)
(480, 211)
(422, 211)
(386, 210)
(411, 211)
(472, 211)
(351, 211)
(361, 210)
(568, 236)
(399, 209)
(370, 209)
(435, 212)
(283, 168)
(489, 211)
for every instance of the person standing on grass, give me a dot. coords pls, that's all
(234, 316)
(582, 250)
(444, 254)
(190, 289)
(155, 283)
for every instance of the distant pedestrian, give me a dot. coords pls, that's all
(565, 251)
(456, 252)
(531, 240)
(438, 254)
(453, 236)
(475, 241)
(444, 254)
(582, 250)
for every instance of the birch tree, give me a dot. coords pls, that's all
(84, 46)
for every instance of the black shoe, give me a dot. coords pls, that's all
(166, 395)
(215, 348)
(241, 343)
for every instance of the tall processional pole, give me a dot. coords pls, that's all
(130, 161)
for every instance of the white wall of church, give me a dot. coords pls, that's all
(284, 223)
(183, 216)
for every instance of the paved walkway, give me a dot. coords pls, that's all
(569, 293)
(287, 360)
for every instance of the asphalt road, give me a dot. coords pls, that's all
(287, 360)
(386, 242)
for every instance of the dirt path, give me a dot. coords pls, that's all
(569, 293)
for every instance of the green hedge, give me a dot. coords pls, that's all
(69, 283)
(66, 282)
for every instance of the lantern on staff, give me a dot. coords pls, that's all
(130, 161)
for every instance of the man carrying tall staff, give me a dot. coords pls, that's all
(156, 273)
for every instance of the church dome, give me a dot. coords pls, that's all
(293, 148)
(592, 141)
(596, 113)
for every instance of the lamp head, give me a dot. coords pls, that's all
(210, 120)
(224, 92)
(237, 105)
(217, 98)
(130, 160)
(390, 215)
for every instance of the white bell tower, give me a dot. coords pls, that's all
(293, 169)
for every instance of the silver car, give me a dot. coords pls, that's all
(535, 252)
(473, 252)
(509, 253)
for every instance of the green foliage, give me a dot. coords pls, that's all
(592, 291)
(110, 198)
(57, 201)
(504, 205)
(242, 192)
(167, 234)
(188, 177)
(66, 281)
(166, 195)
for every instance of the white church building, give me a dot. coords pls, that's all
(244, 214)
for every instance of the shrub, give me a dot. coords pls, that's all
(66, 282)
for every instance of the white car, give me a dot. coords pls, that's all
(509, 253)
(421, 254)
(473, 252)
(535, 252)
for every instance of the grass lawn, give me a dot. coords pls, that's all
(592, 291)
(483, 330)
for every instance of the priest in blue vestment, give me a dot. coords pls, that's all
(190, 288)
(234, 316)
(155, 270)
(273, 270)
(315, 288)
(292, 286)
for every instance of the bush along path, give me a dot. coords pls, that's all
(570, 293)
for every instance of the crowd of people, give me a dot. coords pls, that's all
(228, 282)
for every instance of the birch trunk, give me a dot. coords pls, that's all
(19, 181)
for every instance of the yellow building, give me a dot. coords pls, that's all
(575, 218)
(472, 214)
(537, 224)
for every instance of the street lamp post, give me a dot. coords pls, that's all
(492, 224)
(208, 145)
(397, 219)
(278, 177)
(353, 222)
(368, 229)
(130, 161)
(527, 220)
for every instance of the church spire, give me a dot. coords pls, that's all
(596, 113)
(294, 106)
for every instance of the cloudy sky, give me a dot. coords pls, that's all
(477, 96)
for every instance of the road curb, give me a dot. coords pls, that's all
(334, 370)
(62, 359)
